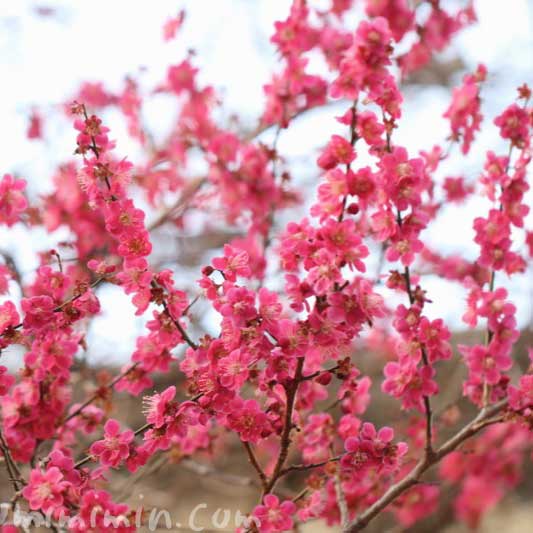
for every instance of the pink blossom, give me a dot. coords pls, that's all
(172, 25)
(46, 490)
(6, 380)
(115, 446)
(416, 503)
(233, 369)
(233, 264)
(12, 200)
(514, 124)
(521, 397)
(338, 151)
(464, 111)
(372, 450)
(485, 364)
(160, 406)
(98, 509)
(273, 516)
(397, 13)
(34, 130)
(8, 316)
(249, 421)
(39, 311)
(404, 380)
(476, 498)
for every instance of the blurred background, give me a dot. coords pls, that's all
(47, 49)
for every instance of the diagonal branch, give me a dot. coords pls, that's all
(255, 463)
(291, 390)
(98, 393)
(482, 420)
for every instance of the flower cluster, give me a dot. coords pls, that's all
(12, 200)
(464, 111)
(372, 449)
(301, 334)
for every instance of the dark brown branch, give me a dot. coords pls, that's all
(310, 466)
(482, 420)
(319, 372)
(290, 389)
(255, 464)
(97, 394)
(11, 467)
(179, 327)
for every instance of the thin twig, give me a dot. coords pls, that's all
(353, 139)
(97, 394)
(179, 327)
(61, 306)
(425, 359)
(310, 466)
(255, 464)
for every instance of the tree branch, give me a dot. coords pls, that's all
(255, 464)
(305, 467)
(11, 467)
(427, 403)
(97, 394)
(285, 442)
(482, 420)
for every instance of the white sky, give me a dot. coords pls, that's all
(44, 59)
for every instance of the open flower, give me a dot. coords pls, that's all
(114, 448)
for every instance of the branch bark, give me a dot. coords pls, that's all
(482, 420)
(291, 390)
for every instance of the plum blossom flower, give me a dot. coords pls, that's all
(484, 363)
(338, 151)
(514, 124)
(45, 490)
(404, 380)
(372, 449)
(6, 380)
(234, 263)
(248, 419)
(464, 111)
(114, 448)
(12, 200)
(9, 316)
(274, 516)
